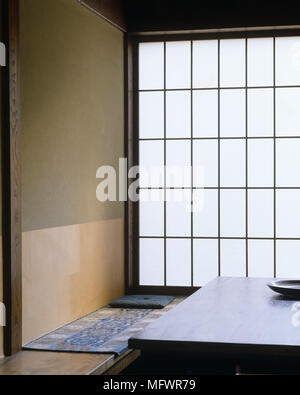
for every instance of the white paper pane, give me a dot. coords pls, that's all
(233, 163)
(151, 214)
(178, 114)
(261, 163)
(261, 258)
(151, 66)
(288, 162)
(233, 213)
(151, 115)
(205, 64)
(288, 213)
(178, 64)
(260, 62)
(178, 212)
(178, 163)
(287, 61)
(151, 262)
(288, 259)
(232, 113)
(260, 112)
(206, 158)
(287, 112)
(232, 63)
(178, 262)
(233, 258)
(206, 218)
(151, 163)
(260, 213)
(205, 113)
(205, 261)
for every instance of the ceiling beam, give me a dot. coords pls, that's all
(195, 15)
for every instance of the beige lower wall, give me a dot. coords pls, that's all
(69, 272)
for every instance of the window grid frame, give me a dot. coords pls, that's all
(192, 162)
(274, 137)
(274, 153)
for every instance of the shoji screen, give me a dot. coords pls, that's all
(232, 107)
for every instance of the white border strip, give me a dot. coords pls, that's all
(2, 55)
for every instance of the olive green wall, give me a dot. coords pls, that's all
(72, 112)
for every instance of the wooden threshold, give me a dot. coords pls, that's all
(36, 363)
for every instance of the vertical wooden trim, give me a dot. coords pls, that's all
(132, 152)
(129, 153)
(275, 153)
(135, 159)
(11, 168)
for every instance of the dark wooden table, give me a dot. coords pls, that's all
(236, 319)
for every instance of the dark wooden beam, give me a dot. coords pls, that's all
(130, 220)
(179, 15)
(11, 187)
(111, 10)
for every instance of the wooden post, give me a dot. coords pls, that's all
(11, 184)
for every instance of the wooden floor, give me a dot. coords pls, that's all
(60, 363)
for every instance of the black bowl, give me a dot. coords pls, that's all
(290, 288)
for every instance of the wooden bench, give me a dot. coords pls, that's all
(60, 363)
